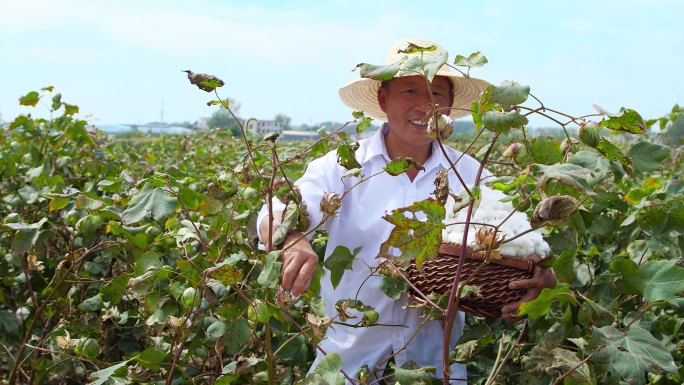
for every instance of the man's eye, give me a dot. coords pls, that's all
(410, 91)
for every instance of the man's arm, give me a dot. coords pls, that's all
(299, 259)
(541, 279)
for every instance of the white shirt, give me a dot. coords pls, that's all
(359, 223)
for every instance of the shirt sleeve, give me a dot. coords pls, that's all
(322, 175)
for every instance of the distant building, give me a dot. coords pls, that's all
(299, 135)
(264, 127)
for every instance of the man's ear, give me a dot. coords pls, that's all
(382, 98)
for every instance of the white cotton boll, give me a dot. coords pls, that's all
(542, 248)
(22, 314)
(492, 211)
(508, 249)
(453, 237)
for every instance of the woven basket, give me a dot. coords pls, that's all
(492, 279)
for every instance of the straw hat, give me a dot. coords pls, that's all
(362, 94)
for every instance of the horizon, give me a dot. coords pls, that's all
(121, 62)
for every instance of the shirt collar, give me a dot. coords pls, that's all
(376, 147)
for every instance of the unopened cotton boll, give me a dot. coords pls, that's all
(491, 210)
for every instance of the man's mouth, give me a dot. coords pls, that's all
(419, 123)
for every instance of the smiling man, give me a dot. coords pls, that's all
(405, 102)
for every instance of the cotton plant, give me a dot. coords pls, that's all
(494, 210)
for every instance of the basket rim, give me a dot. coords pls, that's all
(452, 250)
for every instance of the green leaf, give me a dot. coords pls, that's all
(25, 237)
(113, 291)
(393, 286)
(502, 122)
(564, 265)
(9, 323)
(568, 174)
(204, 82)
(270, 275)
(414, 48)
(56, 101)
(667, 245)
(648, 187)
(287, 224)
(35, 172)
(340, 260)
(329, 369)
(227, 379)
(227, 274)
(542, 305)
(150, 201)
(626, 120)
(612, 152)
(138, 241)
(101, 376)
(647, 156)
(317, 306)
(70, 109)
(632, 353)
(150, 358)
(410, 373)
(418, 236)
(364, 122)
(191, 198)
(216, 330)
(346, 157)
(30, 99)
(77, 132)
(597, 163)
(593, 314)
(629, 271)
(58, 203)
(92, 304)
(477, 117)
(148, 261)
(382, 72)
(509, 93)
(432, 64)
(543, 360)
(237, 333)
(293, 348)
(546, 150)
(663, 281)
(475, 59)
(401, 165)
(659, 219)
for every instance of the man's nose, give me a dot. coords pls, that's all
(423, 102)
(425, 98)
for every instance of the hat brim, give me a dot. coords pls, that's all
(362, 95)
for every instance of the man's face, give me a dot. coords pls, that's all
(406, 101)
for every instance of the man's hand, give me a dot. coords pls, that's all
(299, 264)
(542, 278)
(299, 259)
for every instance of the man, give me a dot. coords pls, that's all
(404, 102)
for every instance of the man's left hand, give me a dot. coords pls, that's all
(542, 278)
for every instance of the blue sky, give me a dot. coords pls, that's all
(118, 60)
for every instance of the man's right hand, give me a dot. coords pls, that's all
(299, 264)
